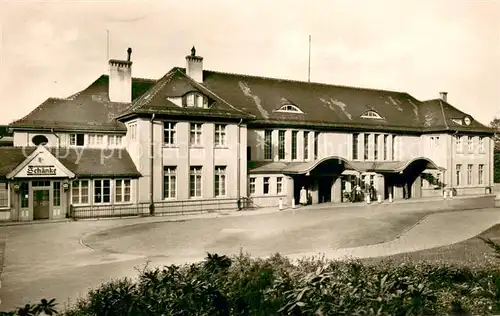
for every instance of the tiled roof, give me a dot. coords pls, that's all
(176, 84)
(84, 162)
(89, 109)
(332, 105)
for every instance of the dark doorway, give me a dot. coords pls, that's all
(41, 205)
(325, 189)
(299, 182)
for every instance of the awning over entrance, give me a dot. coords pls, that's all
(356, 166)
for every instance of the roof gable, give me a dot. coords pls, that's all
(40, 162)
(82, 162)
(176, 83)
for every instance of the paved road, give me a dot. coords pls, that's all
(49, 260)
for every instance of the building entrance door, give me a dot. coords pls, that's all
(325, 189)
(41, 205)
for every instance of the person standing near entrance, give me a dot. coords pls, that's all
(303, 197)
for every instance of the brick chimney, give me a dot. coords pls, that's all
(444, 96)
(120, 79)
(194, 66)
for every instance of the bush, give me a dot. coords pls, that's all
(241, 285)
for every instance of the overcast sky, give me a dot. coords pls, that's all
(54, 49)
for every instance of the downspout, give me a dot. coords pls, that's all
(151, 160)
(58, 140)
(238, 173)
(453, 151)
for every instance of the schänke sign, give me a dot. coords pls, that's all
(41, 171)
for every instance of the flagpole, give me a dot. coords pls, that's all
(309, 63)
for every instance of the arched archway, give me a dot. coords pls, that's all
(320, 179)
(408, 176)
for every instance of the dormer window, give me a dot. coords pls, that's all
(195, 100)
(371, 115)
(289, 108)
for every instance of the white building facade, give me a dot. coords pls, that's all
(196, 140)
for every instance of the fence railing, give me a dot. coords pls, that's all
(177, 207)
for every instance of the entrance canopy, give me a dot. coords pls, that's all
(296, 168)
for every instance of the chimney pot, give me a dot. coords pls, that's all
(194, 66)
(444, 96)
(120, 79)
(129, 52)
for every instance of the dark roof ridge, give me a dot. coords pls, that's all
(140, 102)
(305, 82)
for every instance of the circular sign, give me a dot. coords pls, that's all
(467, 120)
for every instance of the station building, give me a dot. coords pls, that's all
(198, 136)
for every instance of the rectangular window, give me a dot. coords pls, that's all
(169, 129)
(266, 185)
(355, 141)
(195, 138)
(470, 144)
(458, 144)
(481, 144)
(249, 153)
(367, 146)
(268, 144)
(220, 181)
(251, 185)
(393, 147)
(375, 145)
(195, 181)
(80, 192)
(4, 194)
(469, 174)
(56, 193)
(294, 144)
(480, 174)
(102, 191)
(220, 135)
(77, 139)
(169, 182)
(279, 185)
(24, 192)
(114, 140)
(122, 190)
(306, 145)
(281, 145)
(316, 145)
(96, 139)
(133, 131)
(385, 146)
(372, 179)
(458, 174)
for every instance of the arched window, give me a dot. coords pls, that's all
(289, 108)
(371, 115)
(39, 140)
(195, 100)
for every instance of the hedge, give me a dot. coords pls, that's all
(242, 285)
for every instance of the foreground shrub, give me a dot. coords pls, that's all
(275, 286)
